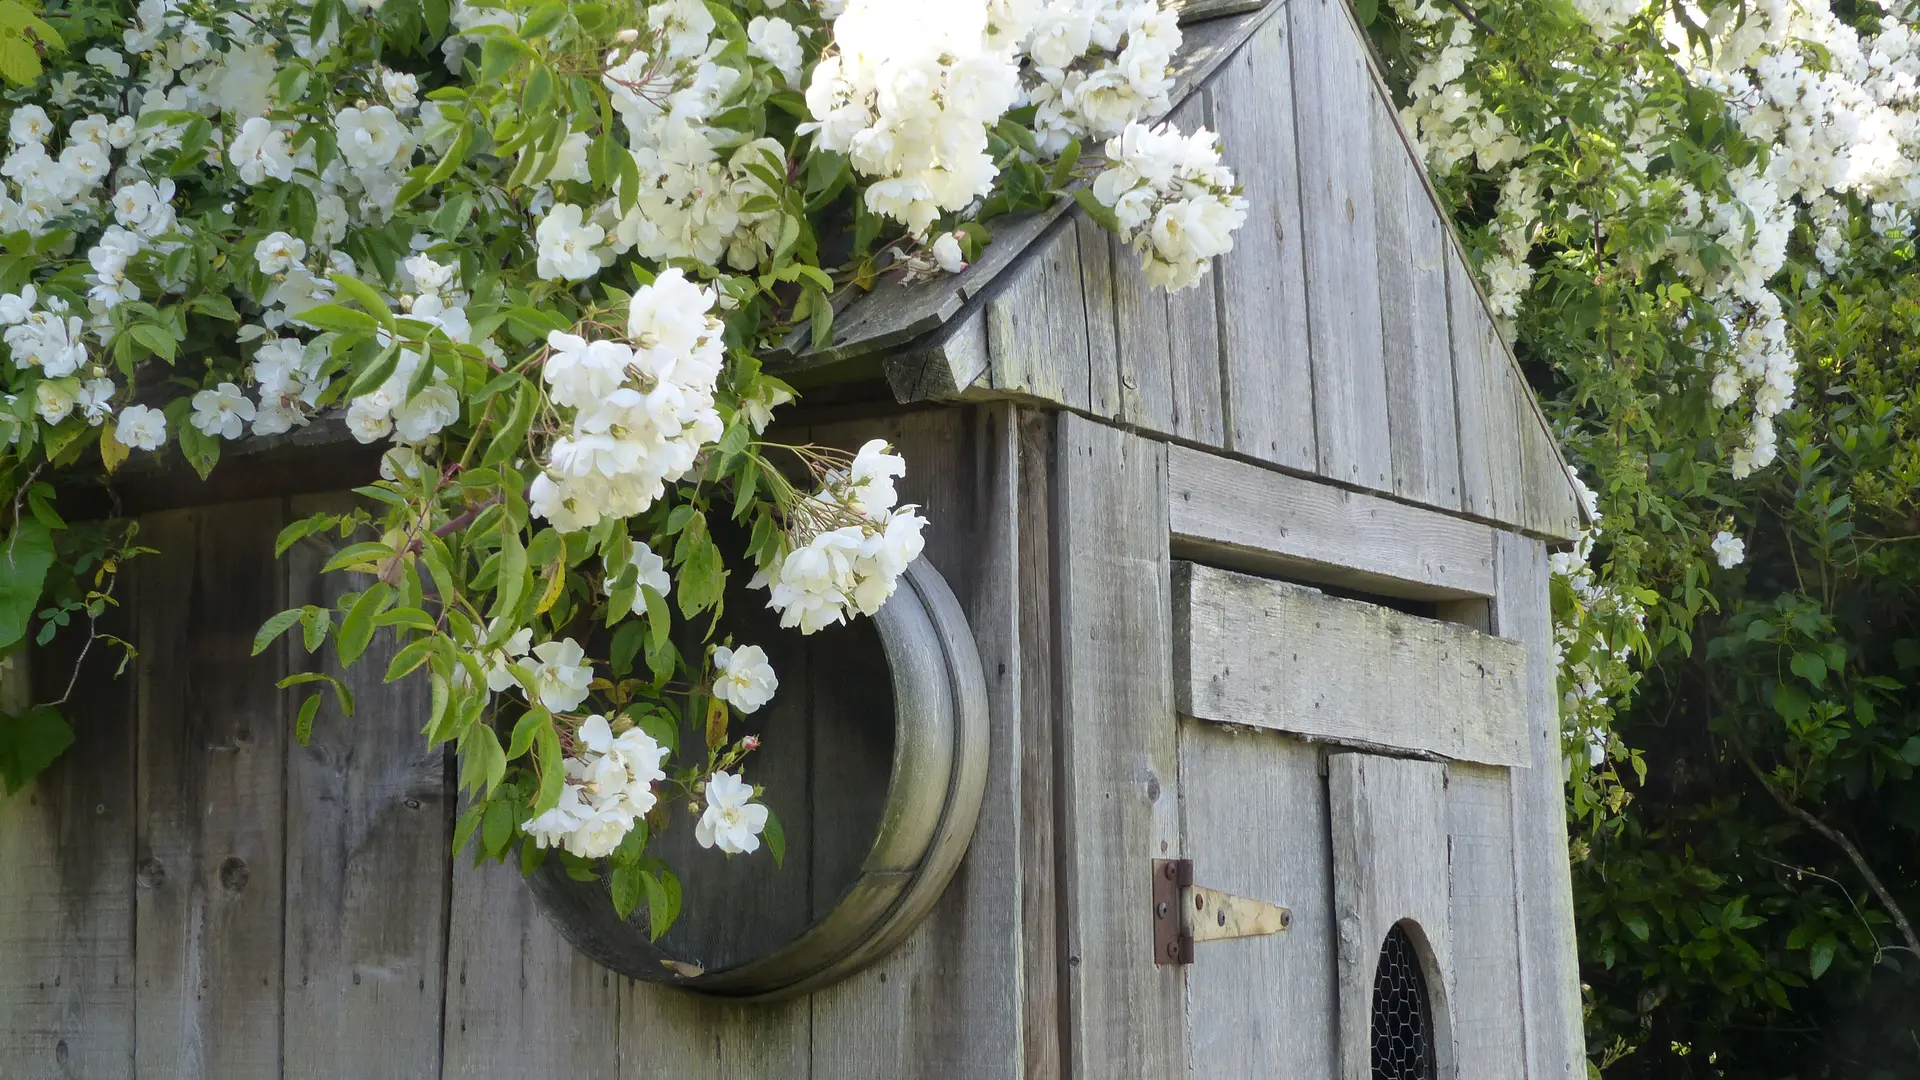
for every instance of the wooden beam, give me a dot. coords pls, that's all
(1232, 513)
(1119, 775)
(1269, 654)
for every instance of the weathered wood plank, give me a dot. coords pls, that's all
(1040, 989)
(1549, 967)
(1332, 88)
(1262, 281)
(1471, 387)
(894, 314)
(1037, 325)
(1269, 654)
(1232, 513)
(365, 946)
(66, 840)
(1256, 825)
(211, 795)
(1505, 468)
(1193, 327)
(1486, 949)
(947, 1003)
(945, 364)
(1118, 749)
(1389, 868)
(1103, 344)
(520, 1001)
(1144, 344)
(666, 1031)
(1413, 309)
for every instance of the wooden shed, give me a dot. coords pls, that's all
(1257, 579)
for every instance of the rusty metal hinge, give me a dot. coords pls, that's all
(1185, 913)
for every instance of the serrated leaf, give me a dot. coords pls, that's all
(29, 743)
(274, 627)
(627, 889)
(303, 724)
(776, 838)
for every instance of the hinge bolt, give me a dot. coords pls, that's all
(1161, 911)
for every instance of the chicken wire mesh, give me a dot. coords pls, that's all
(1402, 1017)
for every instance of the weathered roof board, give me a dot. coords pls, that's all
(1344, 336)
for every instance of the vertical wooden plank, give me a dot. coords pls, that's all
(211, 796)
(1118, 749)
(1389, 868)
(1332, 91)
(1486, 950)
(369, 825)
(1470, 386)
(1549, 966)
(1256, 825)
(1037, 326)
(947, 1003)
(1193, 327)
(670, 1032)
(1096, 280)
(1413, 314)
(1144, 344)
(520, 1001)
(1040, 895)
(1505, 467)
(1263, 290)
(66, 840)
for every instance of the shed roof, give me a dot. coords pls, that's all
(1345, 336)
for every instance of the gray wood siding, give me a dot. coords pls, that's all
(264, 908)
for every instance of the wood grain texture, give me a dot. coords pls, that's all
(1471, 388)
(1262, 281)
(1269, 654)
(1193, 325)
(1232, 513)
(520, 1001)
(1389, 868)
(1143, 344)
(1037, 324)
(1103, 344)
(1413, 314)
(1255, 808)
(943, 365)
(365, 942)
(1506, 471)
(695, 1038)
(211, 795)
(1549, 966)
(1041, 992)
(1332, 89)
(1486, 947)
(66, 897)
(1118, 749)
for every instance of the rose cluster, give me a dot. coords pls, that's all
(640, 410)
(609, 787)
(848, 546)
(1173, 200)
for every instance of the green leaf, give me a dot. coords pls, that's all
(366, 296)
(29, 743)
(24, 559)
(526, 729)
(314, 624)
(553, 769)
(339, 319)
(1637, 925)
(303, 724)
(1810, 667)
(157, 340)
(1821, 956)
(356, 630)
(512, 580)
(663, 902)
(274, 627)
(496, 830)
(627, 889)
(776, 838)
(1910, 753)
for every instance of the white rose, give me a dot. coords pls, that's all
(222, 411)
(731, 821)
(746, 679)
(141, 428)
(279, 252)
(566, 245)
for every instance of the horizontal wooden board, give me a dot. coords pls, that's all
(1269, 654)
(1229, 512)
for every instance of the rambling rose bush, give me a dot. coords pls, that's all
(534, 248)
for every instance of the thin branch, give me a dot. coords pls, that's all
(1841, 841)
